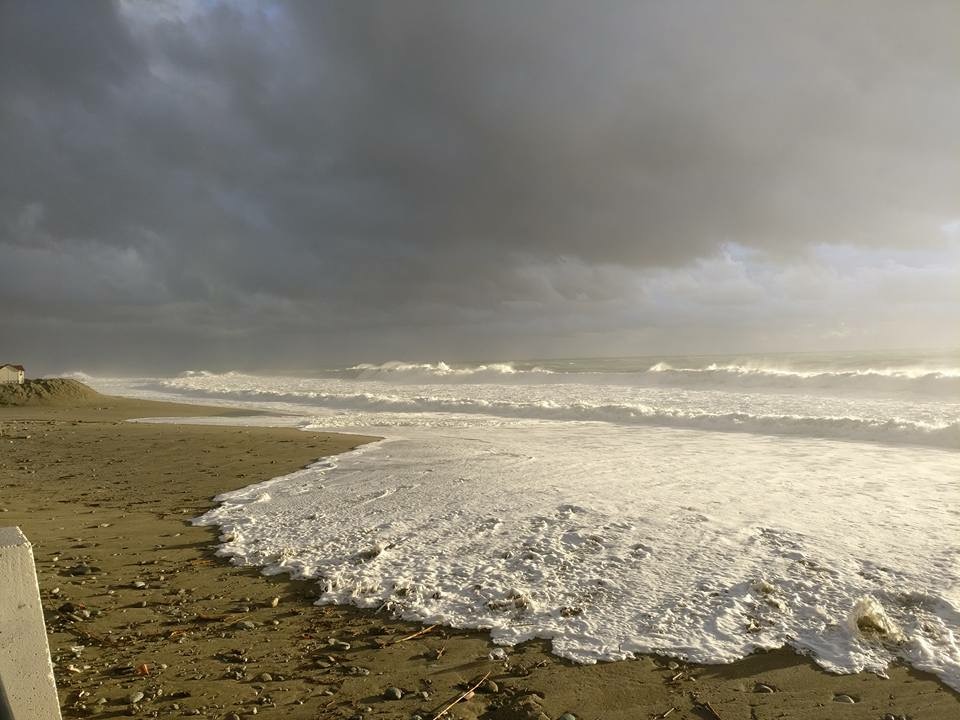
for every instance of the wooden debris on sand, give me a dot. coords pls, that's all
(466, 693)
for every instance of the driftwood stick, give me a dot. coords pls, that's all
(415, 635)
(462, 696)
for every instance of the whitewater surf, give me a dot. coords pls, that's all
(699, 507)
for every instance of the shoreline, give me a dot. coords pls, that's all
(95, 492)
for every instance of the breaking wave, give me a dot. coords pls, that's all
(901, 380)
(920, 380)
(440, 371)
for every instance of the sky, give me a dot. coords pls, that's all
(264, 185)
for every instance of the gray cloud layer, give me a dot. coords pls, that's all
(257, 183)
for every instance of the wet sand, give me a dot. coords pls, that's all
(137, 603)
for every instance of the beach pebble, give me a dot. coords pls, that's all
(392, 693)
(231, 716)
(844, 699)
(761, 688)
(139, 584)
(135, 697)
(265, 677)
(248, 624)
(498, 654)
(673, 665)
(274, 602)
(567, 716)
(490, 687)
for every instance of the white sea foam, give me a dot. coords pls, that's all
(616, 541)
(621, 517)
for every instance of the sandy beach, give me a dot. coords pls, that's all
(144, 620)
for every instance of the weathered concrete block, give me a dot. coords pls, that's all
(26, 674)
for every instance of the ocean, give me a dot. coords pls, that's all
(698, 507)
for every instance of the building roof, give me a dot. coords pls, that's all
(15, 367)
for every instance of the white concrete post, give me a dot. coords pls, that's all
(26, 673)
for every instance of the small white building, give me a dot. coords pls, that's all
(12, 374)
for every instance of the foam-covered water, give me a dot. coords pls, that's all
(617, 506)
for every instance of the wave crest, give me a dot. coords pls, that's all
(432, 372)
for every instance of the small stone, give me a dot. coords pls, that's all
(889, 716)
(265, 677)
(392, 693)
(844, 699)
(135, 697)
(274, 602)
(567, 716)
(231, 716)
(138, 584)
(761, 688)
(673, 665)
(490, 687)
(248, 624)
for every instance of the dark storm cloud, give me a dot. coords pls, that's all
(213, 178)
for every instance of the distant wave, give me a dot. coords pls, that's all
(941, 382)
(907, 379)
(440, 371)
(831, 427)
